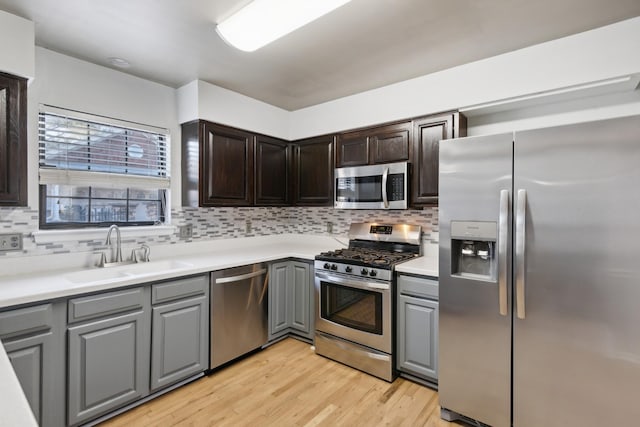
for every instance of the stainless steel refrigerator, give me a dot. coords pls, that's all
(540, 276)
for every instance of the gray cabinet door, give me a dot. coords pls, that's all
(108, 365)
(279, 299)
(179, 341)
(301, 289)
(27, 357)
(34, 344)
(418, 336)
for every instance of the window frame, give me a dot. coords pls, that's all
(163, 178)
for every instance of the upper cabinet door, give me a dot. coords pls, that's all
(390, 143)
(313, 171)
(427, 133)
(226, 171)
(352, 149)
(383, 144)
(13, 140)
(272, 172)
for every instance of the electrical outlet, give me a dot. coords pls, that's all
(186, 231)
(10, 242)
(248, 227)
(329, 227)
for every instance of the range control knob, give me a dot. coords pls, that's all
(373, 273)
(326, 266)
(348, 269)
(334, 267)
(364, 272)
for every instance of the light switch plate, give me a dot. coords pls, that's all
(10, 242)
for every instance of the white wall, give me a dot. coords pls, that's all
(595, 55)
(554, 114)
(231, 108)
(66, 82)
(18, 43)
(599, 54)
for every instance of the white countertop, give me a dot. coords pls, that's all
(33, 279)
(48, 284)
(423, 266)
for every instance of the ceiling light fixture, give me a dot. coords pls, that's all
(263, 21)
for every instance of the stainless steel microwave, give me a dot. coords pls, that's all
(372, 187)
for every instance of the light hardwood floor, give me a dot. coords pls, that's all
(287, 384)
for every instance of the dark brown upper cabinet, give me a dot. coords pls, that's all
(272, 171)
(352, 149)
(13, 140)
(382, 144)
(427, 133)
(313, 164)
(226, 167)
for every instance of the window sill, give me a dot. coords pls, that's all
(53, 236)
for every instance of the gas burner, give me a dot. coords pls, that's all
(366, 257)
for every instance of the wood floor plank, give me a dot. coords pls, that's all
(287, 384)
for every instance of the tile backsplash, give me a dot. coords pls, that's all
(225, 223)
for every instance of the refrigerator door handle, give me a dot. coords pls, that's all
(503, 239)
(521, 210)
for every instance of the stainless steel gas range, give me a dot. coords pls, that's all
(354, 290)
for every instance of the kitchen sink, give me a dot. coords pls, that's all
(126, 271)
(97, 275)
(155, 267)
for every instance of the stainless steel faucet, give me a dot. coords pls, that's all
(147, 253)
(118, 242)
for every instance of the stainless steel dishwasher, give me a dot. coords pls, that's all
(239, 312)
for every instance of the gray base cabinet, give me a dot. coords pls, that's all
(302, 309)
(108, 358)
(33, 340)
(120, 346)
(417, 327)
(291, 299)
(280, 301)
(180, 330)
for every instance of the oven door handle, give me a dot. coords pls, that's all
(360, 284)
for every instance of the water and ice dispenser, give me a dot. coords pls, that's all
(473, 250)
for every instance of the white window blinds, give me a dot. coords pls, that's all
(86, 150)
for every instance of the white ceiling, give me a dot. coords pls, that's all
(363, 45)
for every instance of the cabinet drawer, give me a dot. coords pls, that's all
(25, 321)
(419, 287)
(91, 307)
(177, 289)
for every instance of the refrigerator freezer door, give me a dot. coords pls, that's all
(475, 338)
(577, 350)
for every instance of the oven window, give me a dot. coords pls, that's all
(359, 189)
(355, 308)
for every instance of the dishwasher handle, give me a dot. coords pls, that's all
(241, 276)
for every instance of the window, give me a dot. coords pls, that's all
(96, 171)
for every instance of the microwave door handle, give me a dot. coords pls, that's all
(385, 199)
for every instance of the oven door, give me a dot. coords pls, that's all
(358, 310)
